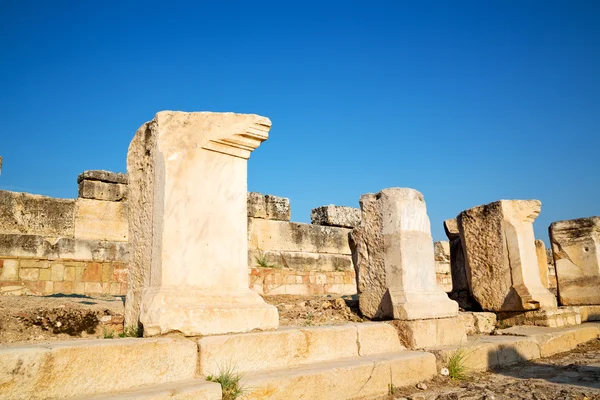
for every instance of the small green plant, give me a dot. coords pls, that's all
(229, 379)
(108, 334)
(501, 324)
(309, 319)
(129, 331)
(263, 262)
(457, 367)
(337, 265)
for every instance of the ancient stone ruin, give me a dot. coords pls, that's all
(576, 250)
(198, 261)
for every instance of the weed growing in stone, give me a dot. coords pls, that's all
(229, 379)
(129, 331)
(108, 334)
(263, 262)
(457, 367)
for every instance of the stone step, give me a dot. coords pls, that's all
(517, 344)
(194, 389)
(351, 378)
(294, 346)
(88, 367)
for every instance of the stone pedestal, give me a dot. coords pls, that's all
(576, 250)
(501, 263)
(393, 250)
(188, 225)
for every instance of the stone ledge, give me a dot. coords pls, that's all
(292, 347)
(194, 389)
(87, 367)
(67, 249)
(103, 176)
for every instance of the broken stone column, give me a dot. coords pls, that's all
(576, 250)
(188, 225)
(343, 217)
(501, 263)
(540, 250)
(395, 261)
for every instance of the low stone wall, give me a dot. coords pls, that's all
(77, 246)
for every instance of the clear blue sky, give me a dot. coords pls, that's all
(468, 102)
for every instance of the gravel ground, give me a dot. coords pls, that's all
(574, 375)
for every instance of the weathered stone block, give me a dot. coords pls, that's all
(344, 217)
(257, 207)
(576, 250)
(423, 333)
(501, 263)
(460, 285)
(97, 190)
(101, 220)
(300, 260)
(9, 270)
(281, 236)
(478, 322)
(278, 208)
(563, 316)
(24, 213)
(188, 225)
(103, 176)
(395, 260)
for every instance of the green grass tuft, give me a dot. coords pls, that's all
(457, 365)
(229, 379)
(107, 333)
(263, 262)
(129, 331)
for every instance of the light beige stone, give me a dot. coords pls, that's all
(418, 334)
(257, 207)
(576, 249)
(29, 274)
(344, 217)
(279, 236)
(557, 340)
(97, 190)
(540, 250)
(188, 225)
(24, 213)
(395, 260)
(301, 261)
(194, 389)
(57, 272)
(277, 208)
(87, 367)
(101, 220)
(357, 378)
(563, 316)
(9, 270)
(478, 322)
(501, 263)
(589, 313)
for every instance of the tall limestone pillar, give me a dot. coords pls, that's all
(188, 225)
(395, 259)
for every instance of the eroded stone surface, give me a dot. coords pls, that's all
(257, 207)
(540, 250)
(423, 333)
(277, 208)
(501, 263)
(576, 250)
(188, 224)
(103, 176)
(460, 285)
(345, 217)
(102, 190)
(394, 258)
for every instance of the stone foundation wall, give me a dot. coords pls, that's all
(70, 246)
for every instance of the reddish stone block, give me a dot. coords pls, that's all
(92, 273)
(123, 288)
(119, 275)
(63, 287)
(36, 287)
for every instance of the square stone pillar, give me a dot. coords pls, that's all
(188, 225)
(395, 260)
(576, 250)
(501, 262)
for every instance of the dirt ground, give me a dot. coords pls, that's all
(315, 310)
(574, 375)
(58, 317)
